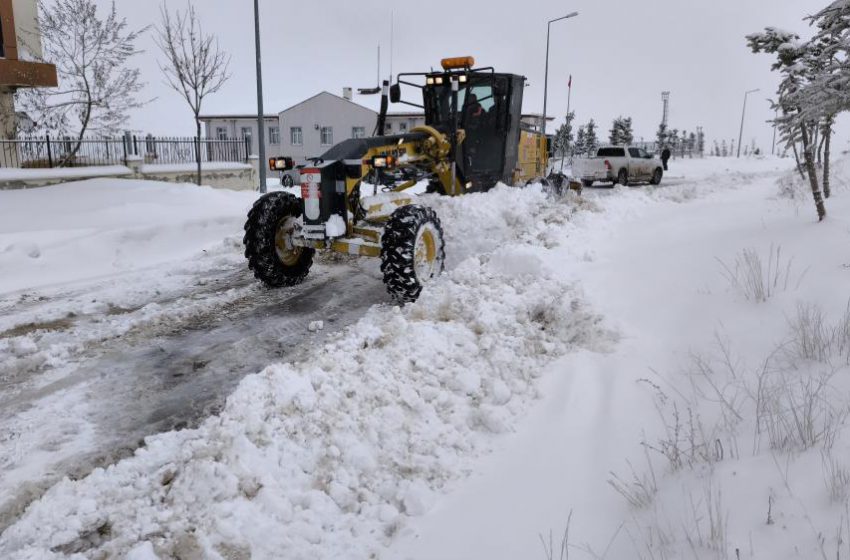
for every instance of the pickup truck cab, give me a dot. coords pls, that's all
(619, 164)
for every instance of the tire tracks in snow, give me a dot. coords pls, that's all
(138, 370)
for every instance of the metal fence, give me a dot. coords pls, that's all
(49, 152)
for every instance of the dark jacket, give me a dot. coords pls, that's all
(665, 153)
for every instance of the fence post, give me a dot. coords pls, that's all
(124, 143)
(135, 145)
(49, 153)
(247, 149)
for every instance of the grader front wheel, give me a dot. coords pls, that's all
(412, 251)
(271, 255)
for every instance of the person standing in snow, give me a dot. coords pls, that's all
(665, 156)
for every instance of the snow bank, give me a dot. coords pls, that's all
(750, 446)
(90, 229)
(647, 262)
(327, 458)
(14, 174)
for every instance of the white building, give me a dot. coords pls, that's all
(224, 127)
(311, 127)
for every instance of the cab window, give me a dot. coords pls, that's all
(635, 153)
(611, 152)
(482, 96)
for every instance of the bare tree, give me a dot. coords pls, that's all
(97, 88)
(194, 66)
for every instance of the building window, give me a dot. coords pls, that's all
(221, 132)
(274, 135)
(389, 127)
(295, 136)
(402, 127)
(327, 136)
(248, 137)
(358, 132)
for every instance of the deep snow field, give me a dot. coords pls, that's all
(642, 373)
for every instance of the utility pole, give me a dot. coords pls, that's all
(743, 114)
(546, 77)
(261, 116)
(665, 112)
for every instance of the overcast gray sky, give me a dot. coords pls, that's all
(621, 53)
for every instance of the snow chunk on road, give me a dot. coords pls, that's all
(327, 458)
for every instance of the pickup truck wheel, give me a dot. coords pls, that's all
(656, 177)
(623, 177)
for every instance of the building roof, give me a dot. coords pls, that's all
(237, 117)
(332, 95)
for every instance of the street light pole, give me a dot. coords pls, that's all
(261, 117)
(743, 113)
(546, 78)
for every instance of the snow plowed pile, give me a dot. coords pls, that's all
(326, 458)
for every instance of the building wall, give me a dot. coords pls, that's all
(234, 126)
(18, 66)
(398, 124)
(26, 13)
(323, 110)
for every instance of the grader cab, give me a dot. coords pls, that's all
(353, 196)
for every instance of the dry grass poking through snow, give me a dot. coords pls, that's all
(758, 280)
(771, 437)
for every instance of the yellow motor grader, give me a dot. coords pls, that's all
(473, 138)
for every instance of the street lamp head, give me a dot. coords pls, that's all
(570, 15)
(753, 91)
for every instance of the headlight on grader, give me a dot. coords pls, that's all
(383, 162)
(281, 164)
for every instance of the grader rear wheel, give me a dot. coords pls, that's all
(412, 251)
(271, 254)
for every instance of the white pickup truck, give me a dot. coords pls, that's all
(619, 164)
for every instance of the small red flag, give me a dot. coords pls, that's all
(570, 83)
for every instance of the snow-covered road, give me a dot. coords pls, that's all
(518, 367)
(129, 311)
(166, 365)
